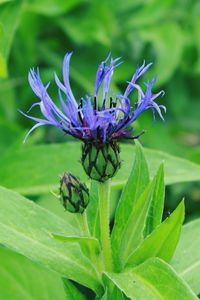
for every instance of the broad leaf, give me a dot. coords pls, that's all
(44, 163)
(162, 241)
(137, 182)
(23, 279)
(27, 228)
(50, 202)
(186, 260)
(154, 280)
(157, 204)
(9, 18)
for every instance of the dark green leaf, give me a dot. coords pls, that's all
(72, 293)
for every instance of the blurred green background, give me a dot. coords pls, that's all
(39, 33)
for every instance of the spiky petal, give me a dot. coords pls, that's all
(103, 120)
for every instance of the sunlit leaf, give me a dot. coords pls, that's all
(36, 169)
(186, 260)
(23, 279)
(153, 279)
(162, 241)
(31, 235)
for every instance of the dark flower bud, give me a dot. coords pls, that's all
(74, 194)
(100, 161)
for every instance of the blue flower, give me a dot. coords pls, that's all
(103, 120)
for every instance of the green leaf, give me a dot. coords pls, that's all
(137, 181)
(9, 19)
(148, 14)
(186, 260)
(116, 294)
(155, 213)
(162, 241)
(162, 41)
(82, 240)
(154, 280)
(51, 7)
(44, 163)
(72, 293)
(27, 228)
(51, 203)
(132, 234)
(9, 133)
(23, 279)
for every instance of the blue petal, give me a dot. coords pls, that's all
(66, 62)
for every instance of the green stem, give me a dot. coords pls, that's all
(104, 214)
(83, 223)
(82, 218)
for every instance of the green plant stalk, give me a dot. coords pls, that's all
(83, 223)
(104, 214)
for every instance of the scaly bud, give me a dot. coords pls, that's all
(74, 194)
(100, 161)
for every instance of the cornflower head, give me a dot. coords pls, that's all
(99, 123)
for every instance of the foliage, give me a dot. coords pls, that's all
(52, 244)
(141, 249)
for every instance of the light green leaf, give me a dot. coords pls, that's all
(51, 203)
(132, 234)
(9, 19)
(23, 279)
(51, 7)
(155, 213)
(44, 163)
(162, 241)
(153, 280)
(82, 240)
(27, 228)
(148, 14)
(186, 260)
(137, 182)
(162, 41)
